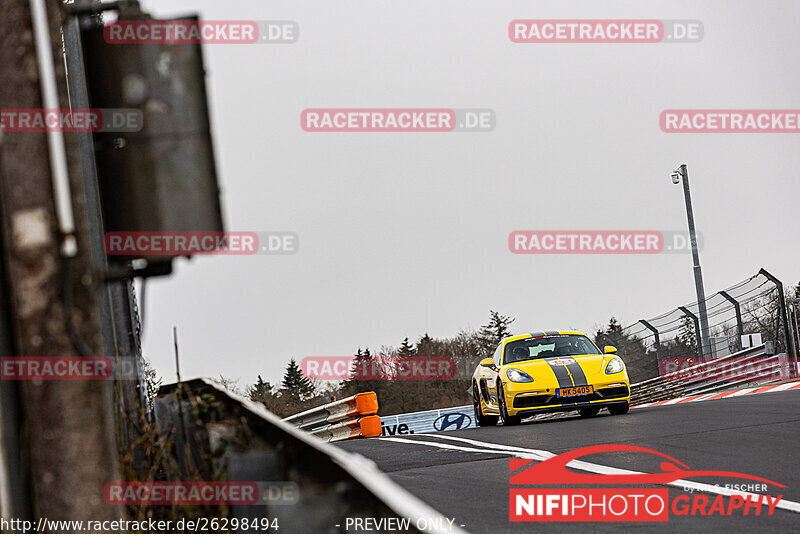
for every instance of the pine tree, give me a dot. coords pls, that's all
(495, 331)
(614, 328)
(295, 384)
(260, 390)
(425, 346)
(686, 338)
(266, 394)
(613, 334)
(360, 368)
(406, 349)
(366, 374)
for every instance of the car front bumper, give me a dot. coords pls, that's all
(528, 412)
(522, 400)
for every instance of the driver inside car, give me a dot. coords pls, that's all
(520, 353)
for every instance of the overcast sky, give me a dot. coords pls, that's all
(406, 233)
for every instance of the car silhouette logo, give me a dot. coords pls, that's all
(449, 420)
(554, 470)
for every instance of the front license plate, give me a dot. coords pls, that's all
(571, 392)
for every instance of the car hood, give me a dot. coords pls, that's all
(590, 363)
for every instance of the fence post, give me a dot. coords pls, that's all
(738, 309)
(698, 337)
(657, 339)
(790, 348)
(794, 320)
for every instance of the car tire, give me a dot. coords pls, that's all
(480, 419)
(588, 412)
(508, 420)
(619, 410)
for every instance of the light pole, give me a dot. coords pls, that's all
(682, 172)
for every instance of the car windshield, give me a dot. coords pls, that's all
(548, 346)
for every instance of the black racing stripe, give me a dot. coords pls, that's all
(578, 376)
(551, 333)
(561, 373)
(537, 334)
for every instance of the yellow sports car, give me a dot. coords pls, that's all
(548, 372)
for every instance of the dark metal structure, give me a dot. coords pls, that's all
(756, 305)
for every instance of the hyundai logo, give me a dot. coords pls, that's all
(457, 420)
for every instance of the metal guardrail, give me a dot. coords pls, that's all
(744, 367)
(343, 419)
(240, 440)
(753, 306)
(359, 404)
(364, 427)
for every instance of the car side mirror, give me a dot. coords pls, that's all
(608, 349)
(487, 362)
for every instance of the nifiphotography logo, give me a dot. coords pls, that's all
(604, 497)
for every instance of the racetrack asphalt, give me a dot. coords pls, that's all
(756, 435)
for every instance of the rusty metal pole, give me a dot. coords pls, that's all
(65, 427)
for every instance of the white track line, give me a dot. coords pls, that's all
(449, 447)
(703, 397)
(537, 454)
(740, 392)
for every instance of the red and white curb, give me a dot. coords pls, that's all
(733, 393)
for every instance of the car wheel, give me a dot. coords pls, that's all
(508, 420)
(480, 419)
(589, 412)
(619, 410)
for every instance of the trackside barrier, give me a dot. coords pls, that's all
(366, 427)
(355, 406)
(744, 367)
(228, 437)
(456, 418)
(348, 418)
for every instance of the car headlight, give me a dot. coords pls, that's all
(515, 375)
(614, 366)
